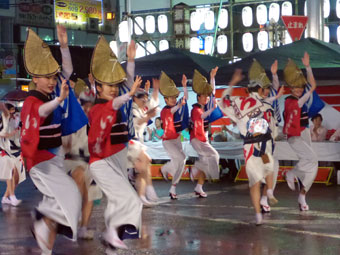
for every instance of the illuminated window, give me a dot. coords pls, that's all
(208, 44)
(223, 19)
(261, 14)
(195, 22)
(274, 12)
(222, 44)
(195, 45)
(326, 8)
(123, 34)
(150, 24)
(326, 33)
(287, 39)
(162, 24)
(287, 9)
(209, 20)
(338, 34)
(140, 52)
(150, 47)
(139, 25)
(247, 41)
(247, 16)
(113, 46)
(338, 8)
(163, 45)
(262, 40)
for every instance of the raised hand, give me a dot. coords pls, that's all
(135, 85)
(213, 72)
(183, 102)
(273, 68)
(131, 51)
(147, 86)
(155, 84)
(64, 91)
(184, 81)
(237, 77)
(62, 36)
(281, 92)
(305, 59)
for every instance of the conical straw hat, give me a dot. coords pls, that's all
(80, 86)
(38, 59)
(167, 86)
(105, 67)
(293, 76)
(200, 84)
(257, 76)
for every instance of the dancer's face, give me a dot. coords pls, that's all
(297, 92)
(317, 122)
(45, 85)
(170, 101)
(108, 92)
(203, 99)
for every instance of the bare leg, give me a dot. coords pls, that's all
(201, 177)
(53, 232)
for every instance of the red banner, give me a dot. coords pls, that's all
(295, 25)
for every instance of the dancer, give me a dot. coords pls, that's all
(296, 128)
(76, 164)
(143, 110)
(108, 138)
(43, 125)
(172, 126)
(208, 163)
(271, 93)
(11, 169)
(249, 113)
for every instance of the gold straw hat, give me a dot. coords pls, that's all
(167, 86)
(38, 59)
(293, 76)
(80, 86)
(257, 76)
(200, 84)
(105, 67)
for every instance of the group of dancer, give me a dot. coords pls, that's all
(77, 144)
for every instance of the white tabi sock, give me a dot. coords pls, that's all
(199, 188)
(173, 189)
(302, 199)
(264, 200)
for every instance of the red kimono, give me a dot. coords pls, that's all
(30, 136)
(292, 117)
(102, 118)
(168, 124)
(198, 128)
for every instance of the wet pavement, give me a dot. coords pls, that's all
(223, 223)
